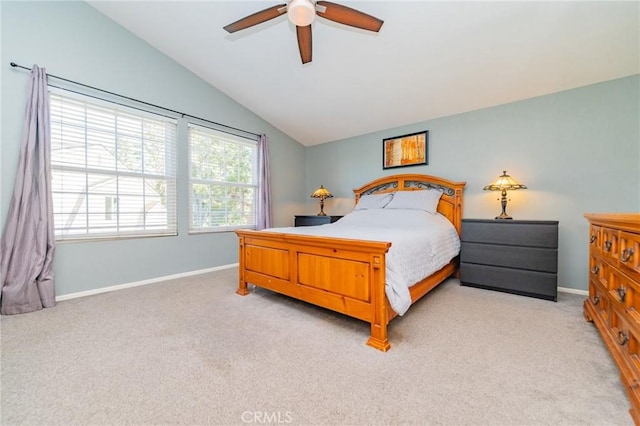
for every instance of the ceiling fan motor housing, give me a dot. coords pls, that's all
(301, 12)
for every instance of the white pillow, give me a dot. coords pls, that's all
(416, 200)
(373, 201)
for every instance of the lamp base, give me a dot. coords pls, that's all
(322, 213)
(503, 203)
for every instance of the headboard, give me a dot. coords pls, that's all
(450, 205)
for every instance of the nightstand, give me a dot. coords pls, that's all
(514, 256)
(315, 220)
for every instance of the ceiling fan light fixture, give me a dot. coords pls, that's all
(301, 12)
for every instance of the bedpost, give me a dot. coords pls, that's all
(242, 284)
(458, 210)
(379, 318)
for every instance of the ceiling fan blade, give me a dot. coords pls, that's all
(304, 43)
(347, 16)
(257, 18)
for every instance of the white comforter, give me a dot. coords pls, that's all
(422, 243)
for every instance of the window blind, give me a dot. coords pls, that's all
(223, 180)
(113, 169)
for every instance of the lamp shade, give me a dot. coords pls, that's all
(504, 183)
(301, 12)
(321, 193)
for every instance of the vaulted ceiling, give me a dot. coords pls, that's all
(430, 59)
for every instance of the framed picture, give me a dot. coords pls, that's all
(406, 150)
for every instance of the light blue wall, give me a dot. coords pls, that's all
(577, 151)
(74, 41)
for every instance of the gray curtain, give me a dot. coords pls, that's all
(264, 185)
(27, 245)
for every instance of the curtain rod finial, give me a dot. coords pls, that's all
(13, 64)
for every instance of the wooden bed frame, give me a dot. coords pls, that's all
(345, 275)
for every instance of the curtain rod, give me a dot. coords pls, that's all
(14, 65)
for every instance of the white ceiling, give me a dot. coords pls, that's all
(430, 59)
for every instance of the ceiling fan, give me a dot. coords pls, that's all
(302, 13)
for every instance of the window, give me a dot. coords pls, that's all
(223, 180)
(113, 169)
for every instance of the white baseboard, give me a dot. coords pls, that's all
(573, 291)
(139, 283)
(204, 271)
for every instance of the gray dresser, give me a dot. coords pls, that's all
(314, 220)
(515, 256)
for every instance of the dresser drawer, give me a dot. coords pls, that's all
(625, 295)
(519, 281)
(599, 298)
(506, 232)
(600, 270)
(626, 341)
(609, 246)
(630, 252)
(531, 258)
(595, 238)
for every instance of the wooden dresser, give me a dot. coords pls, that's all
(614, 293)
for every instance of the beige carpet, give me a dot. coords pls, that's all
(192, 352)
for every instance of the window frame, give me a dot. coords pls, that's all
(169, 176)
(229, 137)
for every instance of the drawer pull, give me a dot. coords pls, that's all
(607, 245)
(626, 255)
(622, 292)
(595, 300)
(622, 338)
(595, 269)
(593, 239)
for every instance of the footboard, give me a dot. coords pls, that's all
(344, 275)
